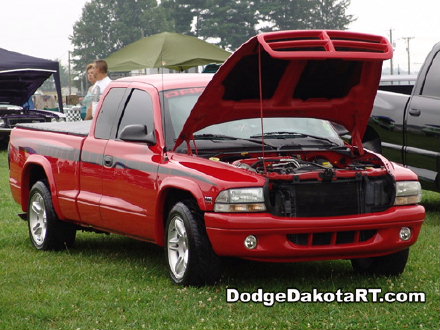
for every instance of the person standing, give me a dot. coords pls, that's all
(87, 101)
(102, 81)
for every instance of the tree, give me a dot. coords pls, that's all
(304, 14)
(330, 14)
(184, 12)
(230, 22)
(284, 15)
(108, 25)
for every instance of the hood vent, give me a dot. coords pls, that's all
(336, 42)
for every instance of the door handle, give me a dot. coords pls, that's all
(414, 112)
(108, 161)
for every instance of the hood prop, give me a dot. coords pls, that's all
(260, 84)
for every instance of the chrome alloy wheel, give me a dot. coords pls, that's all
(37, 219)
(177, 247)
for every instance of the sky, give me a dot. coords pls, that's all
(42, 28)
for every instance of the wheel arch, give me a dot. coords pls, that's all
(37, 168)
(168, 196)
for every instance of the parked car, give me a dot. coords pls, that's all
(406, 128)
(11, 115)
(20, 76)
(243, 163)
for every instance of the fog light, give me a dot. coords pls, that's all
(250, 242)
(405, 233)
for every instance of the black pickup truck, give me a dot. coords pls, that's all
(406, 128)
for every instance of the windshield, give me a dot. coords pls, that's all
(179, 103)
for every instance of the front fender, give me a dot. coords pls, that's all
(182, 184)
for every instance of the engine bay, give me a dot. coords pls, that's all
(320, 183)
(306, 162)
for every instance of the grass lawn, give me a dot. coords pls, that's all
(112, 282)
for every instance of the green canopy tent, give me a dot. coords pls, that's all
(169, 50)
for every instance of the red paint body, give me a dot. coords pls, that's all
(131, 196)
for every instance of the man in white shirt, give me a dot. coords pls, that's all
(102, 81)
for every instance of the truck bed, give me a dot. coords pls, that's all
(80, 128)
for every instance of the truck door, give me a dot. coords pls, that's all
(130, 172)
(422, 136)
(92, 157)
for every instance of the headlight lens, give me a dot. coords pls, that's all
(408, 192)
(240, 200)
(2, 122)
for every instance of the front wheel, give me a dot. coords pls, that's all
(388, 265)
(190, 256)
(46, 231)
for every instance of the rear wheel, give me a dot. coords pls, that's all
(389, 265)
(46, 231)
(191, 259)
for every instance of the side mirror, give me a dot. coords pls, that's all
(137, 133)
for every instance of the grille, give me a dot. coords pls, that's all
(335, 198)
(332, 238)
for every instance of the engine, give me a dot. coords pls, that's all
(326, 184)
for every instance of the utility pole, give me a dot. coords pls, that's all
(70, 84)
(391, 60)
(408, 52)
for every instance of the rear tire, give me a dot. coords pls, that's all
(191, 259)
(389, 265)
(46, 231)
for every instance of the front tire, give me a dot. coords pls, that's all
(388, 265)
(191, 259)
(46, 231)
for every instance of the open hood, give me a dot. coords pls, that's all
(332, 75)
(21, 75)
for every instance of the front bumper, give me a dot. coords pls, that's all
(228, 231)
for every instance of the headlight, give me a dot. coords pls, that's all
(2, 122)
(53, 119)
(61, 119)
(240, 200)
(408, 192)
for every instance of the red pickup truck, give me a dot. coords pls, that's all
(246, 163)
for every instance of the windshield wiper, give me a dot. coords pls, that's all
(227, 137)
(292, 135)
(213, 137)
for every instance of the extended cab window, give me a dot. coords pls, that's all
(432, 82)
(106, 117)
(139, 110)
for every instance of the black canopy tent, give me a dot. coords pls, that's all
(21, 75)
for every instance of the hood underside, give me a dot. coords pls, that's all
(331, 75)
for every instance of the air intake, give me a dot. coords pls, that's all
(328, 44)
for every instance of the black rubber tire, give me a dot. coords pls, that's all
(59, 235)
(373, 145)
(203, 265)
(388, 265)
